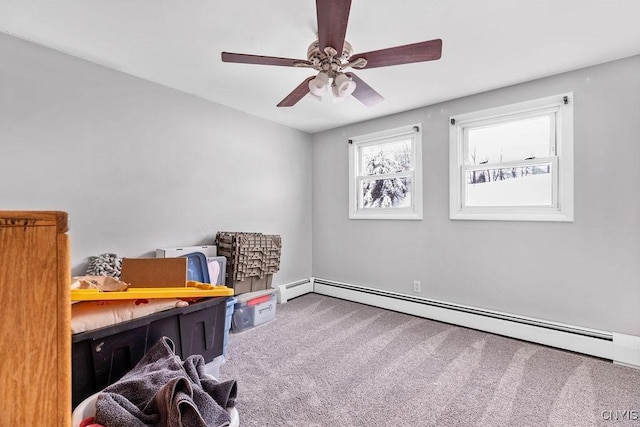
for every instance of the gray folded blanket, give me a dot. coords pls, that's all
(162, 390)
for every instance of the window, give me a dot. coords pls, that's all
(513, 162)
(385, 175)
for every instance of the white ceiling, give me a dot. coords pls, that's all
(486, 44)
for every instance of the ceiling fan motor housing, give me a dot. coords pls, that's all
(327, 61)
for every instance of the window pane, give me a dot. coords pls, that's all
(515, 140)
(386, 193)
(514, 186)
(392, 157)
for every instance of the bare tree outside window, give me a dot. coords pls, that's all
(521, 140)
(513, 162)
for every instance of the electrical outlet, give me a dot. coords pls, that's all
(416, 286)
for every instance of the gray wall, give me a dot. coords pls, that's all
(139, 166)
(584, 273)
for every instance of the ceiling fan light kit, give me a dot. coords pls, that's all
(331, 55)
(318, 86)
(343, 86)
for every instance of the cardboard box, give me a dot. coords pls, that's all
(207, 250)
(154, 272)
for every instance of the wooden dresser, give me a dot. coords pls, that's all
(35, 332)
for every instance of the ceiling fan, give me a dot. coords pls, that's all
(331, 55)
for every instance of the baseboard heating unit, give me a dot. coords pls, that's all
(620, 348)
(294, 289)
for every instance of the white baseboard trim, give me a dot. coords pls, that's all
(294, 289)
(622, 349)
(626, 350)
(582, 340)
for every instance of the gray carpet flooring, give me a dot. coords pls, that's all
(329, 362)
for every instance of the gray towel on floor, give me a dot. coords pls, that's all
(162, 390)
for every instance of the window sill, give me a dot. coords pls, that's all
(555, 216)
(380, 215)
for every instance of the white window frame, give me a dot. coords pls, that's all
(560, 109)
(414, 212)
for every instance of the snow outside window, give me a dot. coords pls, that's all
(513, 162)
(385, 170)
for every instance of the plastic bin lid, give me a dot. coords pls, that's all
(192, 290)
(252, 295)
(197, 267)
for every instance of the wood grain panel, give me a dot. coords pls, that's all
(34, 323)
(64, 325)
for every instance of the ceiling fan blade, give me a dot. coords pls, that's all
(364, 93)
(333, 16)
(262, 60)
(297, 94)
(416, 52)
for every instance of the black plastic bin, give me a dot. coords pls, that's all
(102, 356)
